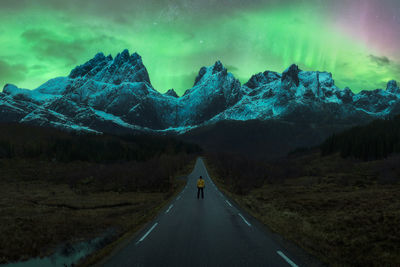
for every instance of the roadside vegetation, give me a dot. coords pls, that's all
(344, 208)
(58, 188)
(376, 140)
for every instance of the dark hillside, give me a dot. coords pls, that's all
(376, 140)
(59, 188)
(260, 139)
(339, 202)
(26, 141)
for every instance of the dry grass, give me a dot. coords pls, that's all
(99, 256)
(38, 215)
(340, 211)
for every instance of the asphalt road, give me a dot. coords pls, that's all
(203, 232)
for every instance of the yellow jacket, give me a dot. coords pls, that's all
(200, 183)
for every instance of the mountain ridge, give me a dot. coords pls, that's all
(108, 94)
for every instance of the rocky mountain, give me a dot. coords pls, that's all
(115, 95)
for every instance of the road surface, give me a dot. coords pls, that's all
(203, 232)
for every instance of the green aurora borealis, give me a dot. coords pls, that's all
(176, 38)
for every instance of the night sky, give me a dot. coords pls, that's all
(357, 40)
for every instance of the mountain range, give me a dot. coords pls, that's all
(115, 95)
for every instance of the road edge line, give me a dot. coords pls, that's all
(147, 233)
(291, 263)
(170, 207)
(244, 219)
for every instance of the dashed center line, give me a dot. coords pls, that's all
(170, 207)
(291, 263)
(244, 220)
(146, 234)
(228, 203)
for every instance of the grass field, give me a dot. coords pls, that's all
(345, 212)
(38, 213)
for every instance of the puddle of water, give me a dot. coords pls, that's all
(68, 254)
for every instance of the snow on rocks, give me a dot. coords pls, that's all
(115, 94)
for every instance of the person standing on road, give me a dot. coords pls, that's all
(200, 187)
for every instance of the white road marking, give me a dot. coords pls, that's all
(280, 253)
(228, 203)
(170, 207)
(244, 220)
(148, 232)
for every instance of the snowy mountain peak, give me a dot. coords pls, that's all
(290, 76)
(99, 57)
(125, 56)
(123, 68)
(202, 71)
(262, 78)
(109, 94)
(392, 87)
(171, 92)
(206, 73)
(9, 88)
(218, 67)
(98, 61)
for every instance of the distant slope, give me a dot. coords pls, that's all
(34, 142)
(260, 139)
(377, 140)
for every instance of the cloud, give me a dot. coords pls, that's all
(12, 73)
(38, 67)
(391, 65)
(48, 45)
(231, 68)
(297, 21)
(122, 11)
(190, 36)
(69, 49)
(381, 61)
(12, 4)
